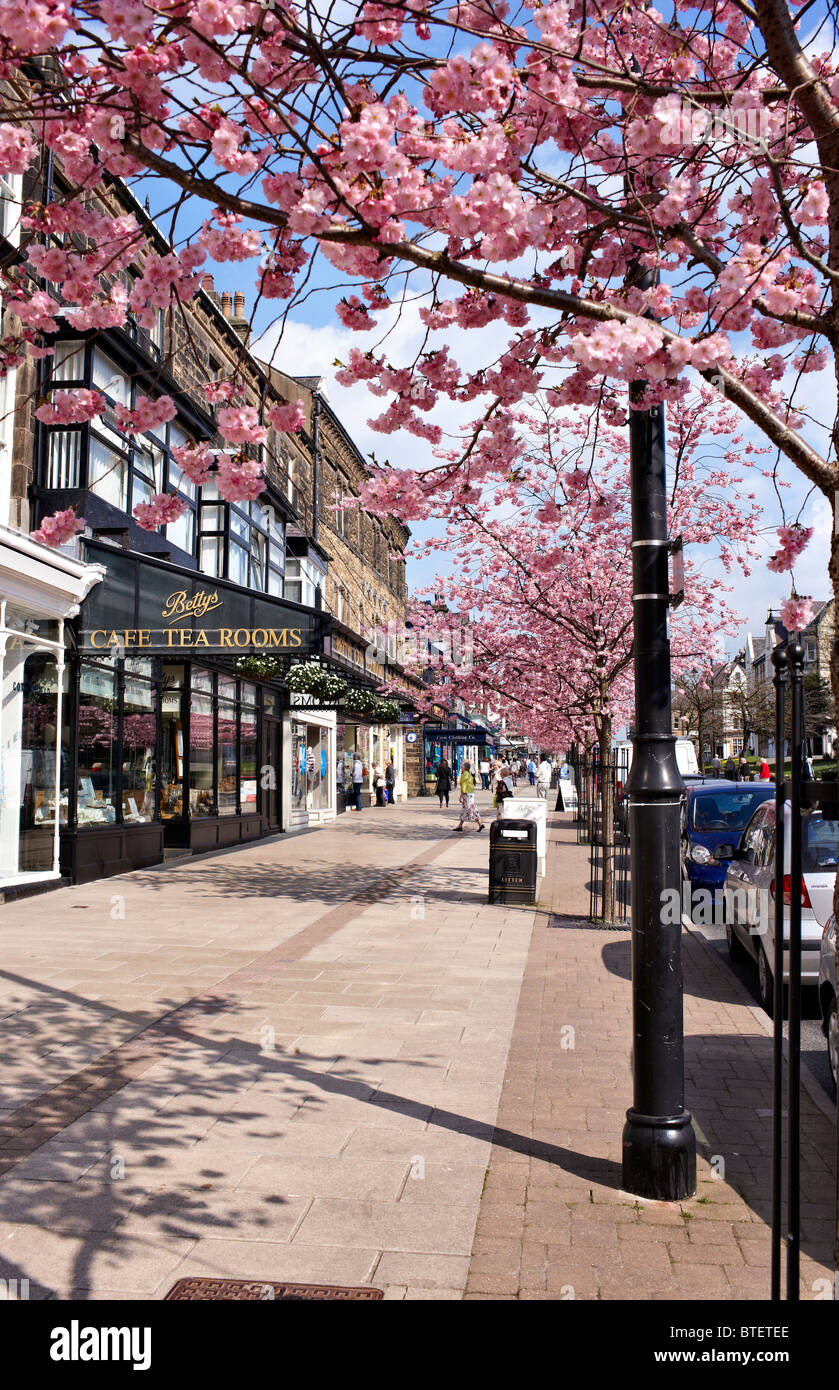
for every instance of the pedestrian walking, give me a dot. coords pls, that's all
(444, 782)
(743, 770)
(468, 809)
(390, 783)
(531, 772)
(731, 770)
(543, 779)
(357, 780)
(765, 772)
(716, 766)
(501, 793)
(483, 768)
(379, 785)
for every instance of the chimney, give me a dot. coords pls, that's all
(208, 284)
(226, 304)
(238, 320)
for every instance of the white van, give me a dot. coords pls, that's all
(685, 758)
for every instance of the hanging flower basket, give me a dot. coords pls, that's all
(309, 678)
(372, 706)
(264, 666)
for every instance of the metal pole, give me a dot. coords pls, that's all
(796, 664)
(659, 1146)
(779, 661)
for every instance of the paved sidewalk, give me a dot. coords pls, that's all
(307, 1059)
(281, 1062)
(554, 1222)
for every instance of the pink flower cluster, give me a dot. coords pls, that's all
(59, 528)
(239, 481)
(794, 539)
(288, 419)
(17, 149)
(148, 414)
(194, 461)
(163, 508)
(796, 613)
(71, 407)
(240, 424)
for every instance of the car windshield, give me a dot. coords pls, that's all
(726, 810)
(820, 844)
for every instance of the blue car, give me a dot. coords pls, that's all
(715, 813)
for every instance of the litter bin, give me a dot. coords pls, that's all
(512, 861)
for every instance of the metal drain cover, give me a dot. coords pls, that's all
(263, 1291)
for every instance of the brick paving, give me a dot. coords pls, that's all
(554, 1222)
(325, 1057)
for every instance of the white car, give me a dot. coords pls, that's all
(751, 886)
(827, 997)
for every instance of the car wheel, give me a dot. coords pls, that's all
(832, 1030)
(736, 950)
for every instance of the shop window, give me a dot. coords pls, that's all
(248, 751)
(228, 771)
(201, 744)
(10, 205)
(97, 745)
(139, 741)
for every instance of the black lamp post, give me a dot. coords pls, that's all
(659, 1146)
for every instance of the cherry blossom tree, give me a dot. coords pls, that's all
(541, 566)
(632, 193)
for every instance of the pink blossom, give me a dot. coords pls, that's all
(59, 528)
(194, 461)
(796, 613)
(161, 509)
(288, 419)
(17, 149)
(71, 407)
(794, 539)
(239, 481)
(149, 413)
(240, 425)
(814, 208)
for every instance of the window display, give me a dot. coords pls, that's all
(96, 797)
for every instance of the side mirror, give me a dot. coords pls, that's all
(725, 852)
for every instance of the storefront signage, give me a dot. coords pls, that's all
(218, 638)
(145, 606)
(411, 737)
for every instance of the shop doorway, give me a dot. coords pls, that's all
(272, 781)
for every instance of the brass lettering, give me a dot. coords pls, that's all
(296, 637)
(241, 632)
(144, 637)
(259, 637)
(100, 632)
(225, 636)
(201, 638)
(179, 606)
(274, 637)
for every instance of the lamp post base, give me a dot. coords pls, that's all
(659, 1156)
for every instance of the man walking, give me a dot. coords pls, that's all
(531, 772)
(357, 780)
(390, 783)
(483, 768)
(543, 779)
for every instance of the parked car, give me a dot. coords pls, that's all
(622, 755)
(715, 812)
(752, 882)
(827, 996)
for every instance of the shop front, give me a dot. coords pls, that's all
(312, 783)
(40, 591)
(175, 715)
